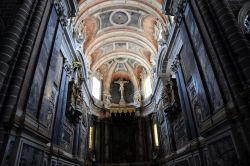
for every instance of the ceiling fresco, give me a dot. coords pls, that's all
(120, 38)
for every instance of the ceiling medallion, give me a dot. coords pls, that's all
(120, 17)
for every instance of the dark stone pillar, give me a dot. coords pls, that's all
(61, 108)
(76, 139)
(97, 140)
(20, 61)
(8, 47)
(171, 136)
(139, 141)
(106, 141)
(149, 135)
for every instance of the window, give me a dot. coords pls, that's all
(91, 137)
(171, 18)
(96, 88)
(147, 87)
(156, 141)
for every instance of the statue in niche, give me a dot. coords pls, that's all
(75, 98)
(164, 38)
(107, 100)
(80, 36)
(157, 29)
(121, 89)
(137, 98)
(161, 35)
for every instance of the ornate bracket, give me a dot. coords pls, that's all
(61, 13)
(175, 65)
(179, 11)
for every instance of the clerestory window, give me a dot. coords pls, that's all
(96, 88)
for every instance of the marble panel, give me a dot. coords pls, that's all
(222, 152)
(192, 75)
(31, 156)
(105, 20)
(204, 61)
(107, 48)
(50, 95)
(40, 71)
(180, 133)
(67, 137)
(134, 22)
(121, 45)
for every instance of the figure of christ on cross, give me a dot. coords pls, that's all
(121, 89)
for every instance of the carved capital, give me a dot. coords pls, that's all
(175, 65)
(76, 65)
(67, 68)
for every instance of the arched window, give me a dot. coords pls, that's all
(147, 87)
(96, 88)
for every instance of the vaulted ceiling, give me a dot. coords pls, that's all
(120, 37)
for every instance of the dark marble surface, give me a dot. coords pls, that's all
(204, 61)
(40, 72)
(31, 156)
(193, 79)
(223, 153)
(52, 85)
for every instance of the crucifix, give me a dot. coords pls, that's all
(121, 89)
